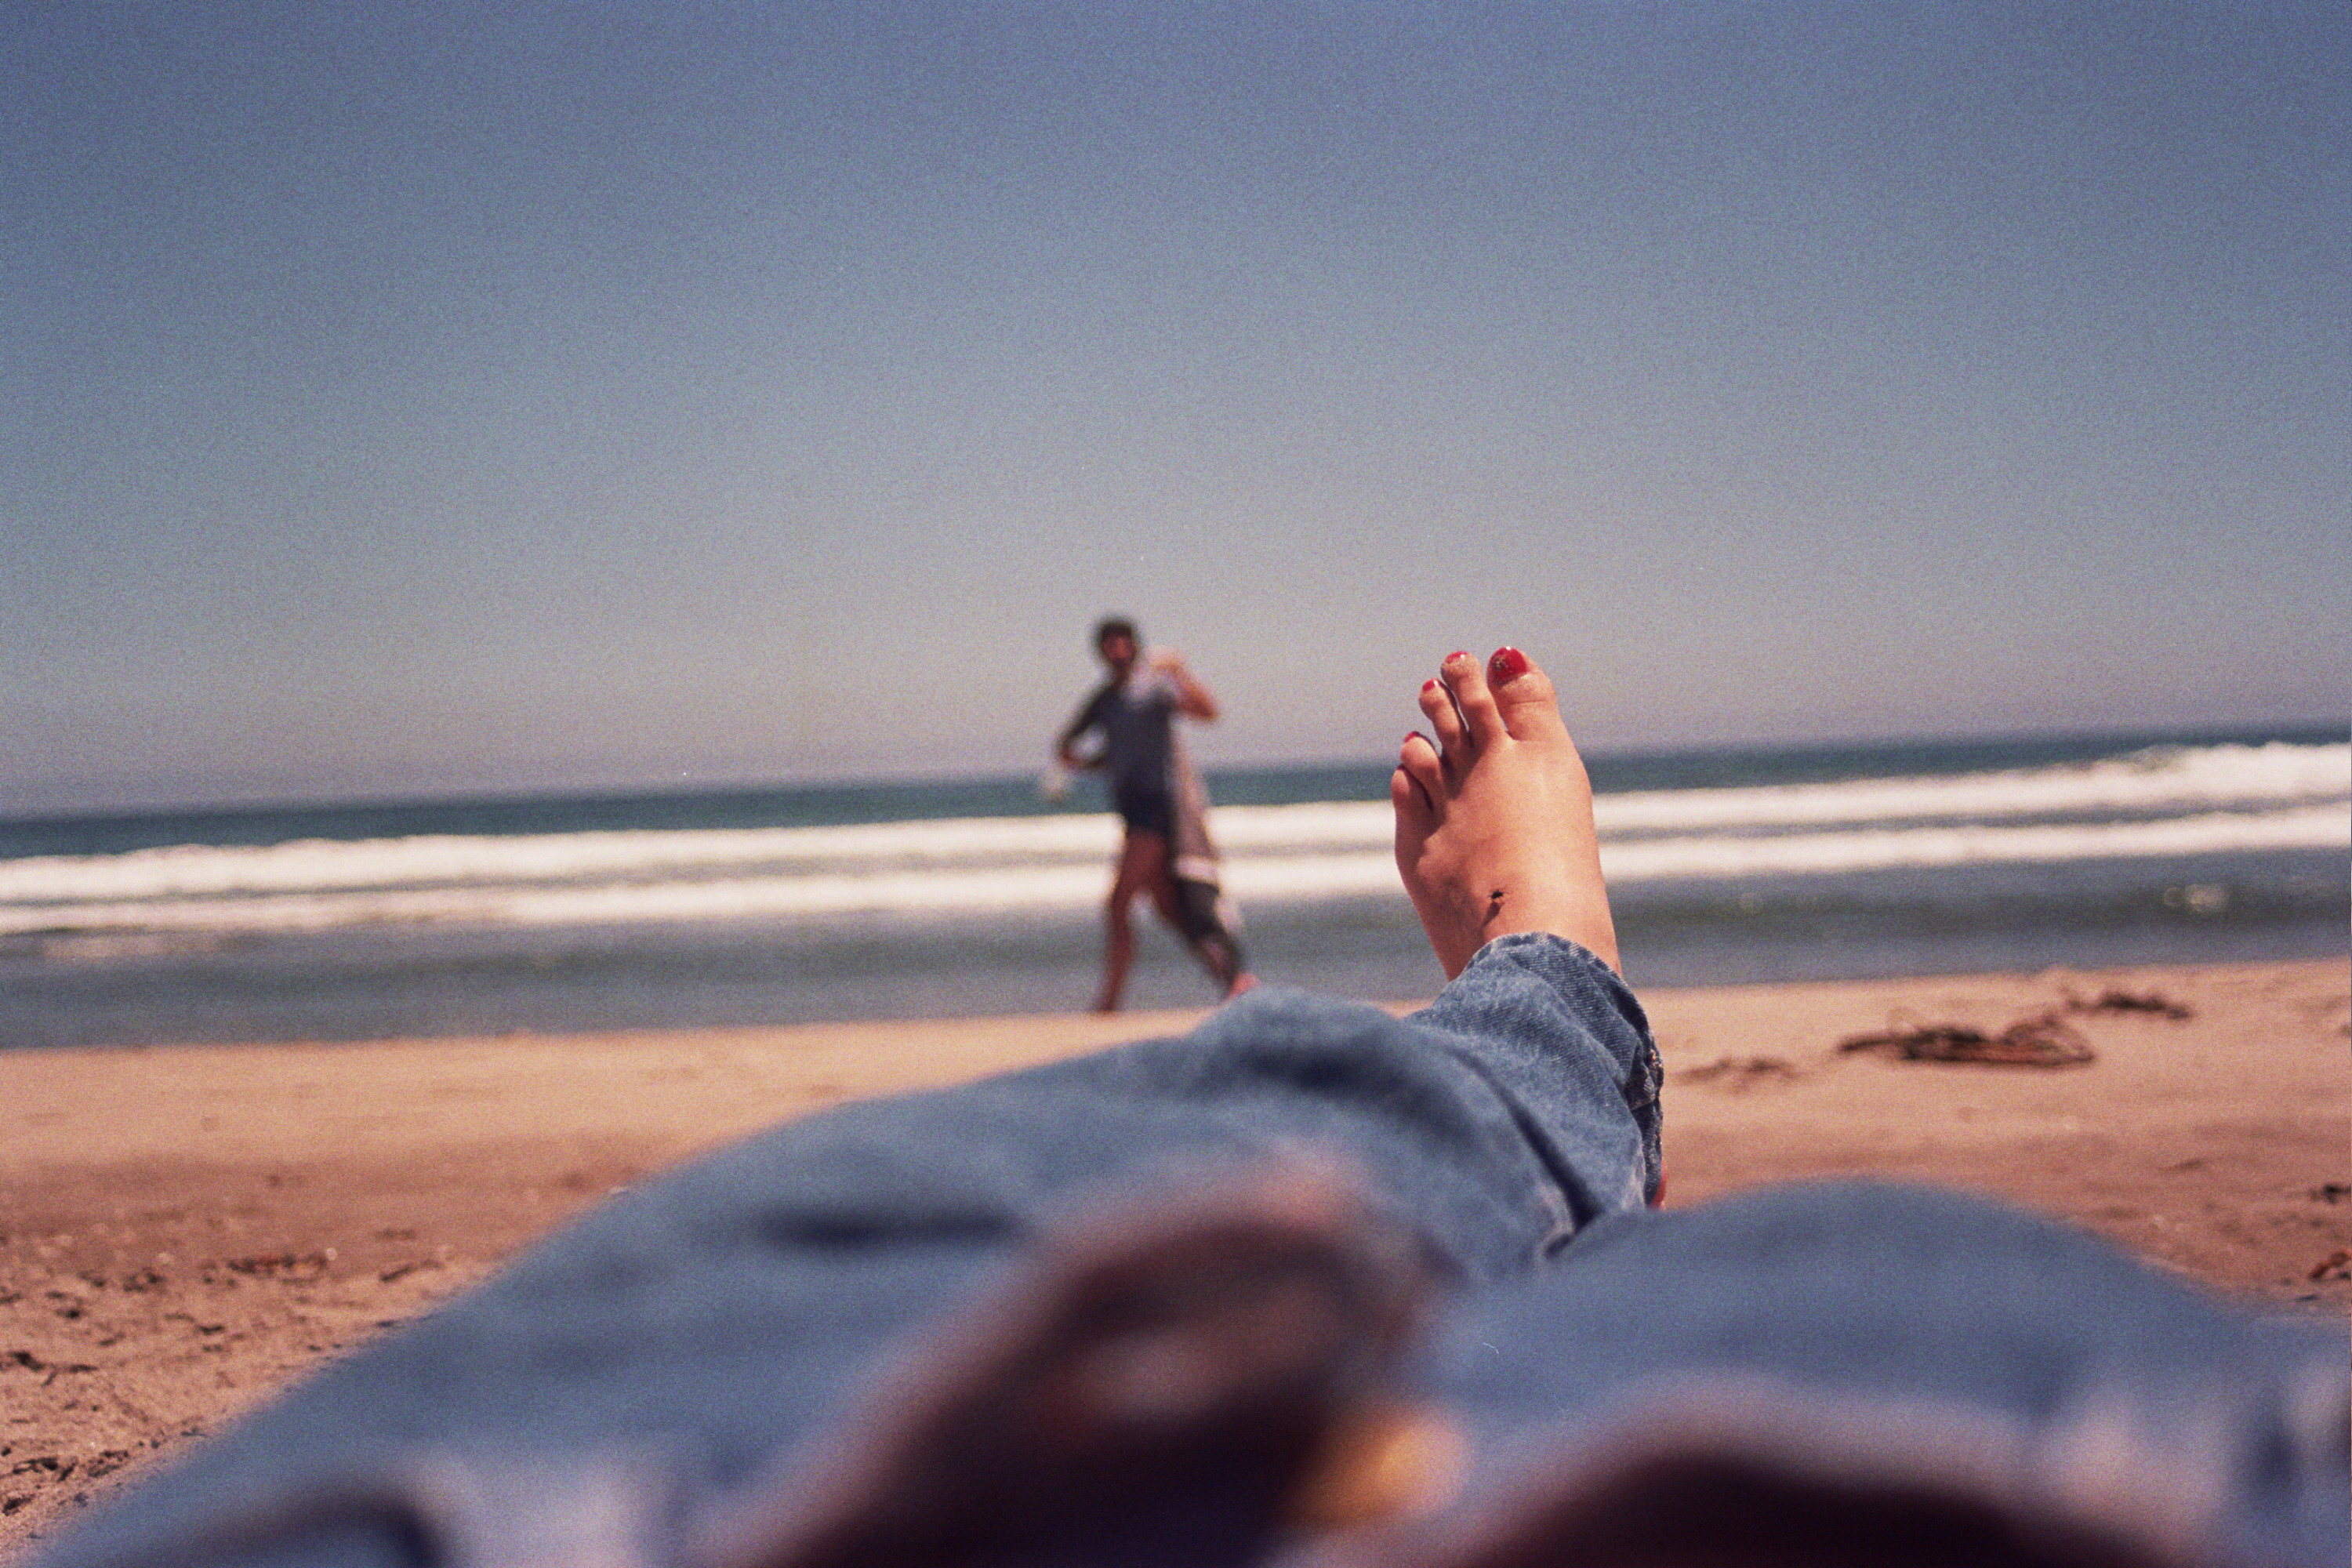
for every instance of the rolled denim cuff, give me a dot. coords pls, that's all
(1563, 1038)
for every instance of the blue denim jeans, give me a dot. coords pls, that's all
(684, 1337)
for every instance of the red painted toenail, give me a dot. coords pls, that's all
(1508, 664)
(1430, 685)
(1457, 653)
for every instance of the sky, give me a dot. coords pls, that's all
(482, 397)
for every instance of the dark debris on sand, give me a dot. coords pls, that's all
(2039, 1040)
(2115, 999)
(1742, 1072)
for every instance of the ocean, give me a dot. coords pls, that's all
(978, 895)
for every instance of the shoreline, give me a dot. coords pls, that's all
(185, 1228)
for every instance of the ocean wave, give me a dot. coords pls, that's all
(456, 861)
(664, 866)
(2165, 779)
(1815, 854)
(1337, 871)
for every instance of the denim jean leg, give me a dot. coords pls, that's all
(696, 1328)
(1517, 1108)
(1855, 1328)
(1564, 1041)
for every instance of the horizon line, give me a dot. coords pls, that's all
(232, 804)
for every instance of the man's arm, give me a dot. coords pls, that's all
(1066, 745)
(1193, 699)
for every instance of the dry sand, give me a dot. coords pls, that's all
(181, 1230)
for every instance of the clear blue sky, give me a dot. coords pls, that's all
(402, 397)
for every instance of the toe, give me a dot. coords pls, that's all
(1444, 722)
(1421, 774)
(1416, 818)
(1465, 678)
(1523, 695)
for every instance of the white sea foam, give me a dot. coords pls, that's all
(1278, 877)
(474, 871)
(1337, 869)
(180, 870)
(2171, 779)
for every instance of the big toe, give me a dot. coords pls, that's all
(1523, 693)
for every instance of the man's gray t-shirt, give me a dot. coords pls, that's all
(1138, 722)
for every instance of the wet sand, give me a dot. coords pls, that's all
(182, 1230)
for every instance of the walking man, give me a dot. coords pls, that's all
(1166, 853)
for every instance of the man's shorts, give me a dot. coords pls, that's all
(1146, 811)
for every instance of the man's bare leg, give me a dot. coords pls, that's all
(1142, 864)
(1217, 954)
(1494, 819)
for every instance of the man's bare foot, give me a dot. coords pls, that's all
(1494, 821)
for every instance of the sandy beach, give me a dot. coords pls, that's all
(183, 1230)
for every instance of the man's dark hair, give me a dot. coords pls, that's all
(1116, 626)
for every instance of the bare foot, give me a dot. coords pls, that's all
(1494, 821)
